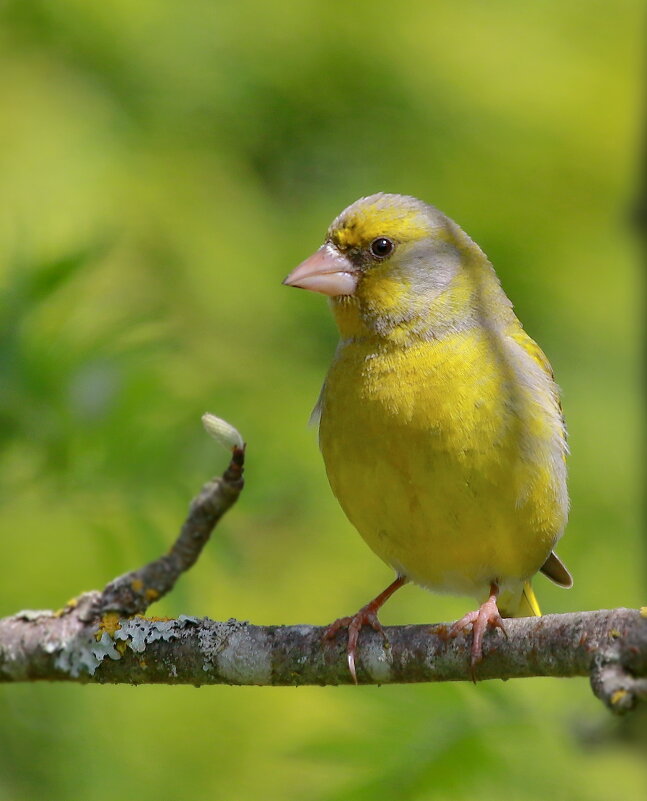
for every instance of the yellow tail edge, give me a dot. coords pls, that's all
(528, 606)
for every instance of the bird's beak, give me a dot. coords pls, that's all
(326, 271)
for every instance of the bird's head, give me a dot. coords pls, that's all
(385, 260)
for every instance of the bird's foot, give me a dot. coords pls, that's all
(367, 615)
(486, 616)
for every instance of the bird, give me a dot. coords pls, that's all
(440, 422)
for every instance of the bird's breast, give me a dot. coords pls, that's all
(435, 453)
(451, 394)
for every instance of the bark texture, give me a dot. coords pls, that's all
(609, 646)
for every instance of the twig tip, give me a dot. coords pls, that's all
(223, 432)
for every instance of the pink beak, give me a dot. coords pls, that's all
(326, 271)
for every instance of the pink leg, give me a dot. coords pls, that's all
(487, 615)
(366, 615)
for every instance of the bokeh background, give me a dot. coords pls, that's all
(162, 167)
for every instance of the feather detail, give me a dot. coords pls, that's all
(557, 571)
(528, 605)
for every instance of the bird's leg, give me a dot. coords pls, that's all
(486, 615)
(366, 615)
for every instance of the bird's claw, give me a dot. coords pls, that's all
(366, 616)
(486, 616)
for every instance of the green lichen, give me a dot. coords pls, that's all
(83, 654)
(139, 632)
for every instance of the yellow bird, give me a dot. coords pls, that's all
(440, 422)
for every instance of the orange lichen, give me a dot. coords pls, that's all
(110, 623)
(71, 604)
(618, 696)
(137, 585)
(151, 594)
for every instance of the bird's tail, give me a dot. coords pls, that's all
(528, 606)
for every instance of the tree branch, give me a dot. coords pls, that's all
(134, 592)
(101, 637)
(610, 646)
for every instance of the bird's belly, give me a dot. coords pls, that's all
(448, 502)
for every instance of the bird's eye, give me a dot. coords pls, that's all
(381, 247)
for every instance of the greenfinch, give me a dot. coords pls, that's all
(440, 426)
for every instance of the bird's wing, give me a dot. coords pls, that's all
(533, 349)
(553, 567)
(539, 357)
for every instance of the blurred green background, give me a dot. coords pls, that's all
(162, 167)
